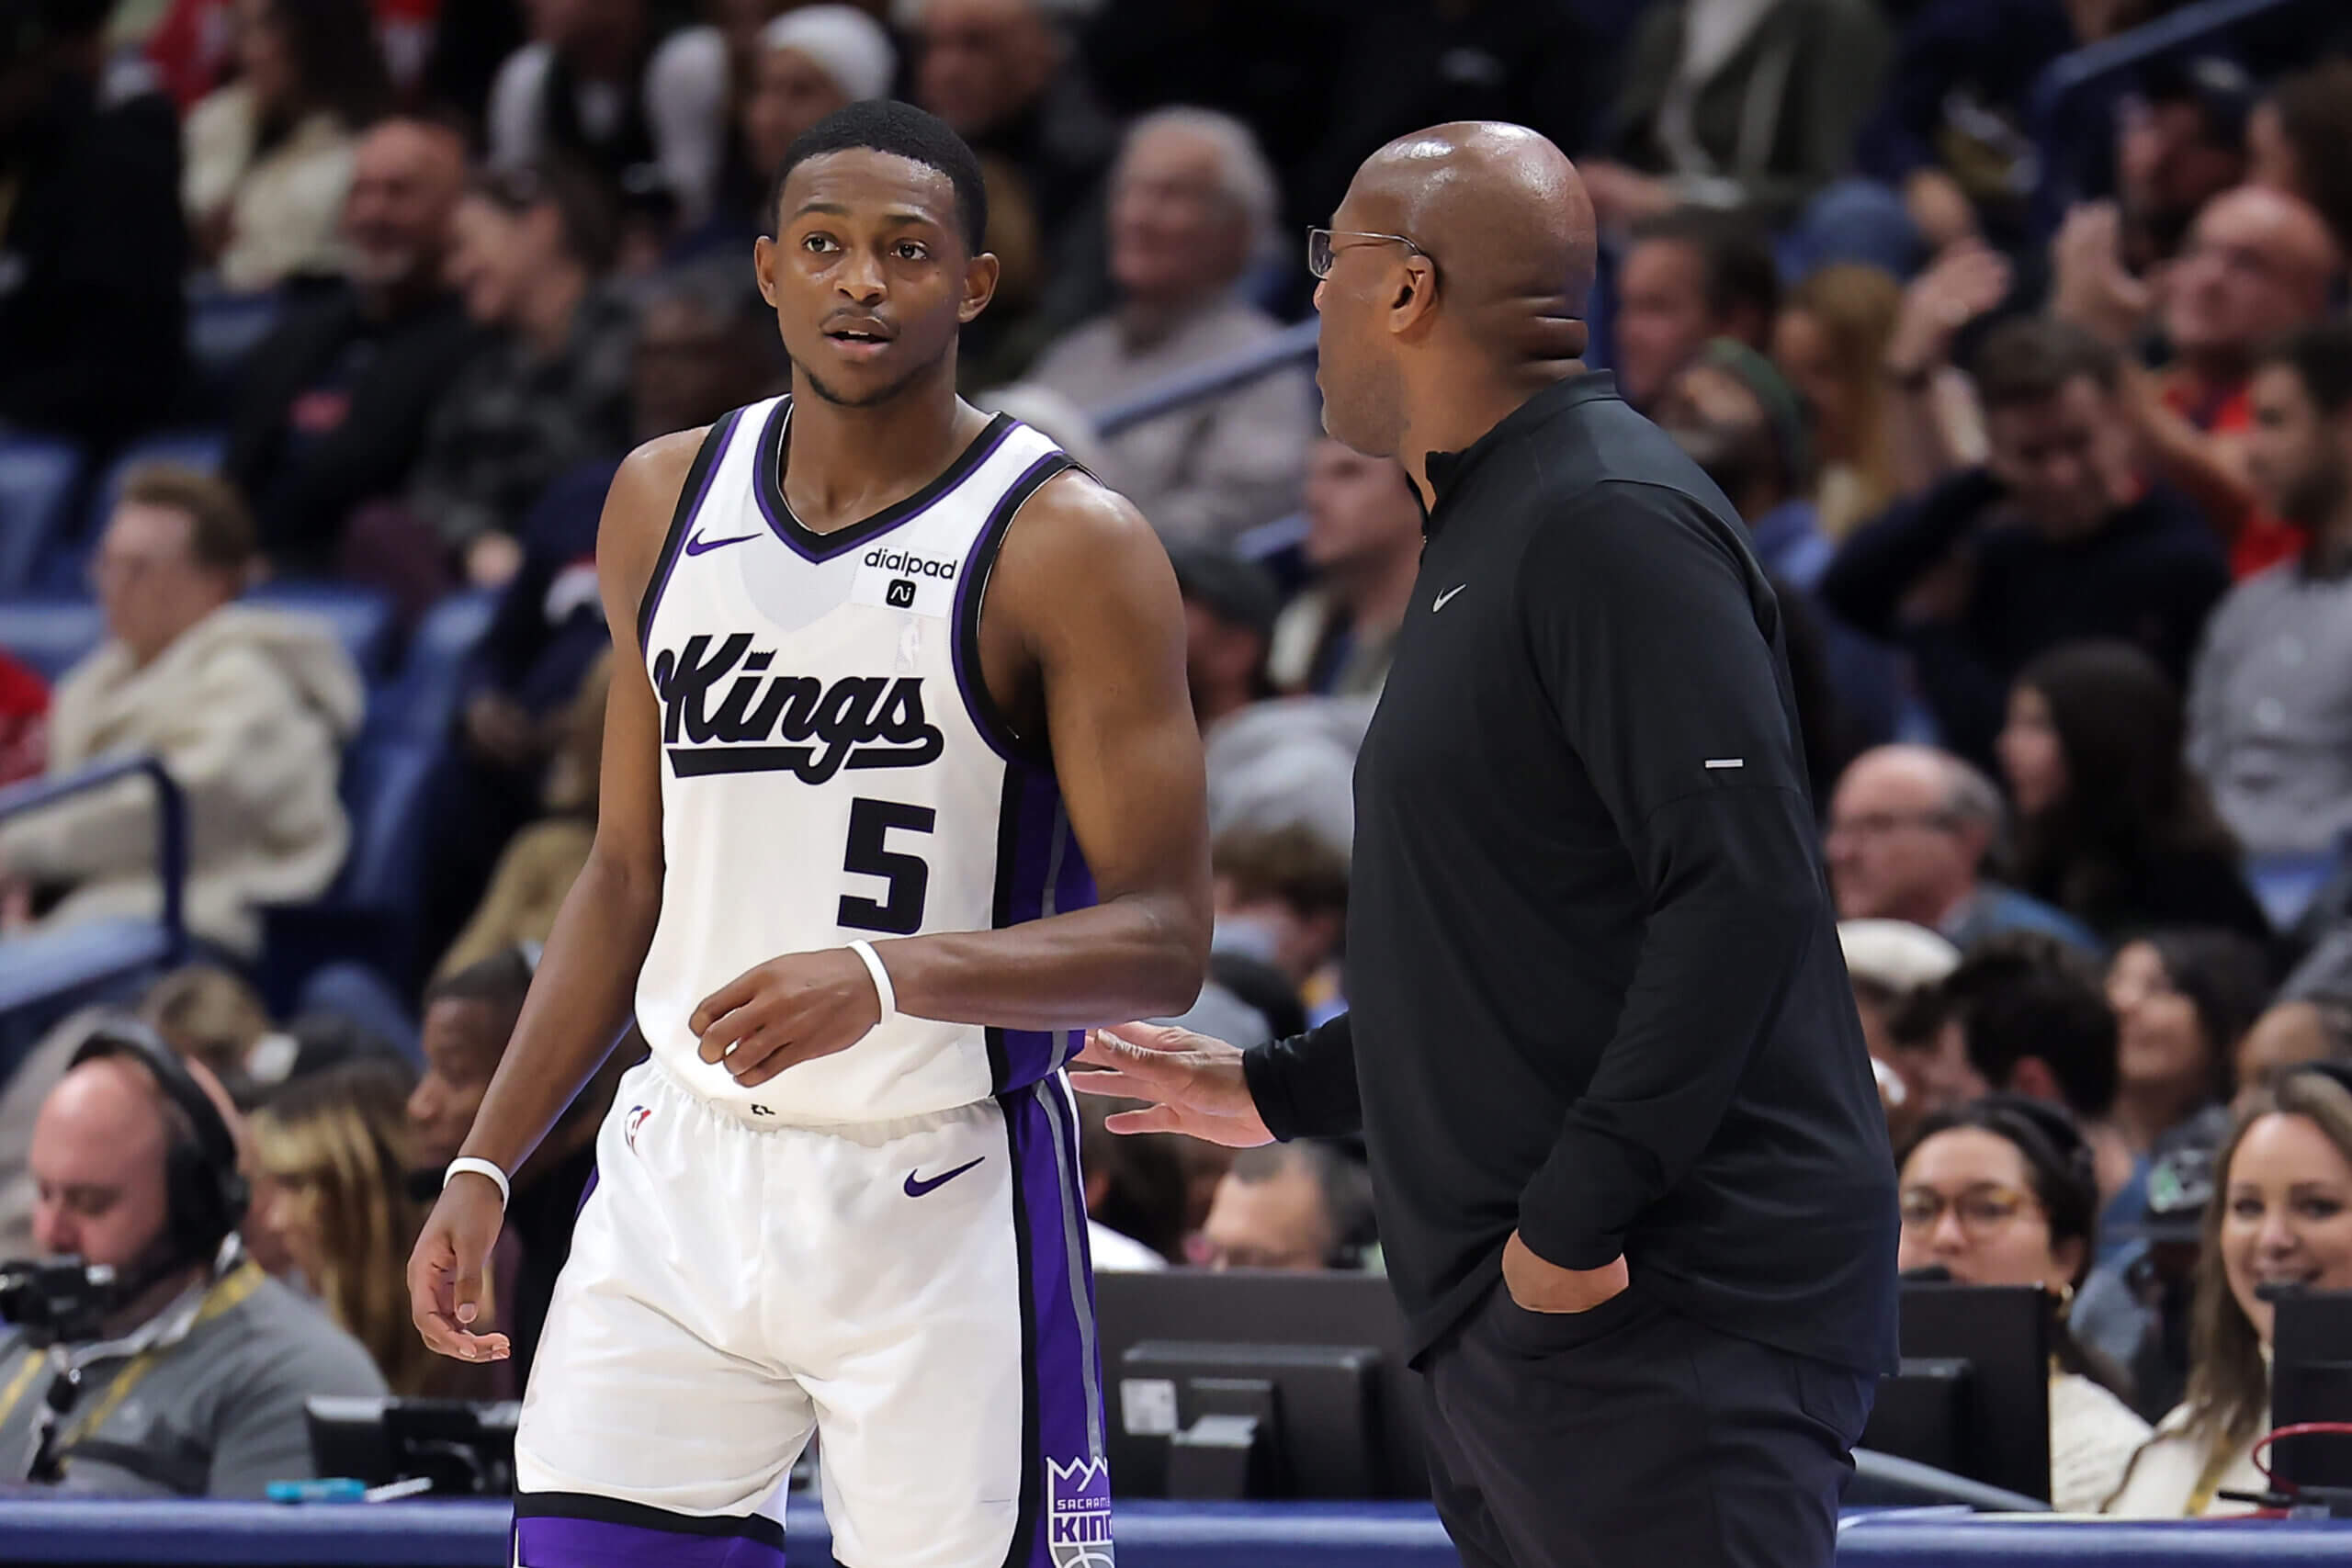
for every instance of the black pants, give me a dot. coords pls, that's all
(1632, 1437)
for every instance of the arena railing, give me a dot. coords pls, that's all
(1292, 346)
(81, 958)
(2067, 79)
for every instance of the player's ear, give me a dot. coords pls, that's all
(763, 267)
(980, 275)
(1416, 295)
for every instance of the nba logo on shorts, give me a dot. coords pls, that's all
(1077, 1517)
(637, 1115)
(901, 593)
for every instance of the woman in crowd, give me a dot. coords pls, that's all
(2001, 1191)
(2114, 828)
(1831, 342)
(2282, 1213)
(2184, 1000)
(269, 156)
(330, 1195)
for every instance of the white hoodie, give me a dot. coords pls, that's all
(249, 710)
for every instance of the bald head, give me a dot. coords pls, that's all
(2257, 265)
(97, 1163)
(407, 176)
(1908, 828)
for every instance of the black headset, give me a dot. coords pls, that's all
(206, 1193)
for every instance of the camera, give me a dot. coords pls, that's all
(57, 1300)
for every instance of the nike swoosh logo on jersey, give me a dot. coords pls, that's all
(1433, 609)
(701, 545)
(916, 1187)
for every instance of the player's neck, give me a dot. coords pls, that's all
(843, 463)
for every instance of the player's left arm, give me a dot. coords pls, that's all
(1086, 587)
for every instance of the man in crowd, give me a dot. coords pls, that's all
(1363, 544)
(192, 1383)
(336, 399)
(1910, 828)
(2270, 699)
(248, 708)
(2057, 537)
(1192, 206)
(1691, 275)
(1303, 1205)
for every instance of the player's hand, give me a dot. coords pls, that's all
(789, 1009)
(447, 1270)
(1195, 1084)
(1538, 1286)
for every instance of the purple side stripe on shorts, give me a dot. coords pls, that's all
(543, 1541)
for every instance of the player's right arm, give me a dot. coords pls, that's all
(581, 995)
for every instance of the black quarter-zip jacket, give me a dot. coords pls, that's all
(1592, 960)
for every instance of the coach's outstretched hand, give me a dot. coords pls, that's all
(445, 1271)
(1195, 1084)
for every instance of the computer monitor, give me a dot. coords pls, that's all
(1251, 1383)
(1973, 1396)
(2311, 1379)
(466, 1449)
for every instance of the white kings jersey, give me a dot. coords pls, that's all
(833, 766)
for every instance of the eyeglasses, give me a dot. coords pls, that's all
(1321, 251)
(1878, 824)
(1981, 1210)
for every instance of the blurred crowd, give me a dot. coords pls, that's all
(2042, 426)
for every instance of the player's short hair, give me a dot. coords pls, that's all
(1735, 255)
(2030, 359)
(886, 125)
(2321, 358)
(220, 527)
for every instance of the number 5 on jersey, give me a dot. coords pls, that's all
(907, 877)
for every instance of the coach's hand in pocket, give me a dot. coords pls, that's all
(793, 1009)
(1538, 1286)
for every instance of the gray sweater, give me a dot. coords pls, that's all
(2270, 710)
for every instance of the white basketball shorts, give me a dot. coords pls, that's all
(916, 1292)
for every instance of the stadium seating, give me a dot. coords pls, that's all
(223, 329)
(50, 635)
(362, 618)
(37, 480)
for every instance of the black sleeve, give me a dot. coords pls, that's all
(1878, 565)
(1657, 650)
(1306, 1086)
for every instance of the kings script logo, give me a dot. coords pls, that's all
(1077, 1517)
(723, 711)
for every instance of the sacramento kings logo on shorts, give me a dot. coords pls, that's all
(1077, 1517)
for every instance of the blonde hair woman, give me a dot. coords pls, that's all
(2281, 1212)
(1830, 341)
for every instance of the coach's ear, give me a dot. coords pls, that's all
(980, 275)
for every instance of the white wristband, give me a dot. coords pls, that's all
(882, 989)
(479, 1168)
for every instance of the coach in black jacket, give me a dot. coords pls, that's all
(1633, 1183)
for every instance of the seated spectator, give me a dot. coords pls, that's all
(223, 1356)
(802, 66)
(1281, 913)
(1689, 276)
(2179, 142)
(335, 403)
(248, 708)
(468, 1017)
(209, 1014)
(2270, 696)
(1751, 105)
(598, 86)
(2054, 540)
(333, 1189)
(2286, 1035)
(2034, 1023)
(2295, 143)
(2000, 1192)
(1303, 1205)
(2256, 265)
(269, 156)
(1831, 341)
(2282, 1212)
(530, 248)
(1134, 1192)
(2184, 1000)
(2113, 827)
(1931, 421)
(1911, 829)
(1192, 205)
(1892, 963)
(93, 248)
(1230, 606)
(1364, 545)
(24, 720)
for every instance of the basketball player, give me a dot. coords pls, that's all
(901, 790)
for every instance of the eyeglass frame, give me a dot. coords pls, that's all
(2023, 1200)
(1331, 251)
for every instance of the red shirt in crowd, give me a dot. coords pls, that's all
(2258, 540)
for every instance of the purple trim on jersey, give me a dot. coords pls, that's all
(682, 527)
(971, 585)
(587, 1191)
(547, 1541)
(1069, 1509)
(1034, 820)
(767, 488)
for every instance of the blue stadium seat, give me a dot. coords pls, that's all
(224, 329)
(384, 785)
(38, 479)
(421, 704)
(79, 962)
(50, 635)
(362, 617)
